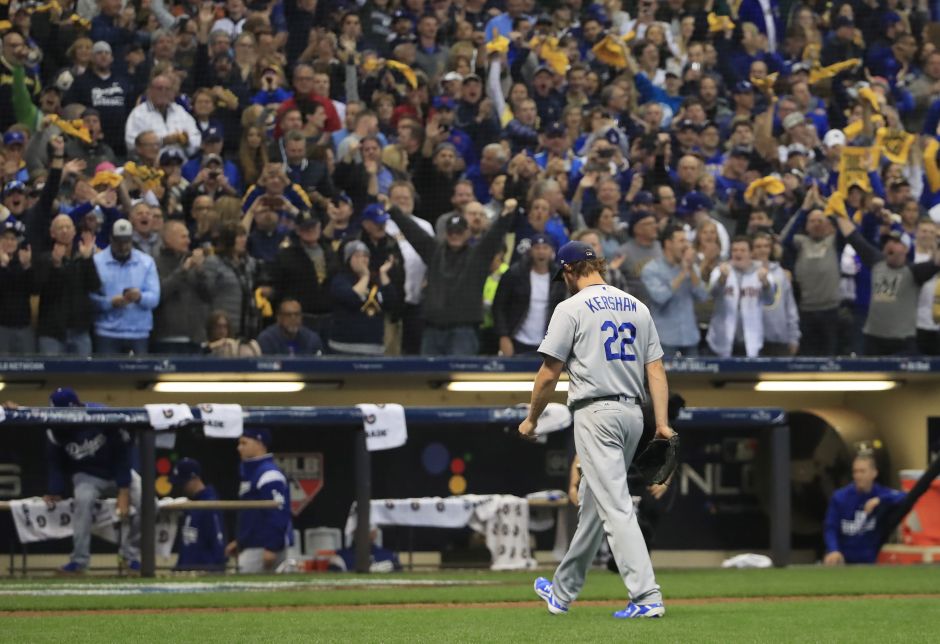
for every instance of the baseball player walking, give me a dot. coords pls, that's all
(606, 339)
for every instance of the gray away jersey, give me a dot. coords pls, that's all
(605, 338)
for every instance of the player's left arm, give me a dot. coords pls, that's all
(542, 390)
(659, 395)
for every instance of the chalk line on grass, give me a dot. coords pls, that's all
(170, 588)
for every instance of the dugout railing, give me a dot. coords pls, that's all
(773, 421)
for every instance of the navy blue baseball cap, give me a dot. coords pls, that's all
(694, 201)
(443, 103)
(14, 138)
(744, 87)
(643, 198)
(14, 186)
(571, 253)
(636, 217)
(375, 213)
(554, 129)
(213, 134)
(541, 239)
(12, 225)
(64, 397)
(184, 470)
(259, 434)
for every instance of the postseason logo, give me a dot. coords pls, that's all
(304, 472)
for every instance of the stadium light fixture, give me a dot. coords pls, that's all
(825, 385)
(228, 387)
(497, 386)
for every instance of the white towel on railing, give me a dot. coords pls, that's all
(221, 421)
(164, 417)
(384, 425)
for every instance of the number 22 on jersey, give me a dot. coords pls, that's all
(626, 333)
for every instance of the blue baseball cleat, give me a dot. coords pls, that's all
(543, 588)
(635, 611)
(72, 568)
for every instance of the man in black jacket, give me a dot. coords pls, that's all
(16, 276)
(179, 323)
(453, 297)
(303, 269)
(525, 300)
(64, 279)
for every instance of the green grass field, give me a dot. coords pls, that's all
(801, 604)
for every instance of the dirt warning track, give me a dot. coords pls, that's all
(700, 601)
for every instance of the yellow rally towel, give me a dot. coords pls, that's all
(936, 303)
(853, 169)
(894, 144)
(835, 205)
(263, 304)
(547, 49)
(771, 185)
(818, 73)
(106, 178)
(498, 45)
(405, 71)
(372, 307)
(149, 177)
(718, 23)
(611, 51)
(931, 170)
(765, 84)
(74, 128)
(868, 94)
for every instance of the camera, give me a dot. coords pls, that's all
(606, 153)
(214, 174)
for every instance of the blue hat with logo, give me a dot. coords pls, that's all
(259, 434)
(14, 186)
(14, 138)
(64, 397)
(213, 134)
(375, 212)
(443, 103)
(571, 253)
(12, 225)
(184, 470)
(743, 87)
(694, 201)
(554, 129)
(539, 238)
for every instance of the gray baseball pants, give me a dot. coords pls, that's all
(606, 434)
(87, 490)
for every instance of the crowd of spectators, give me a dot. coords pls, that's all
(382, 177)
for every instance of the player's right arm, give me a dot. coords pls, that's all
(542, 390)
(659, 394)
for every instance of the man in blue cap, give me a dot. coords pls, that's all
(263, 535)
(201, 541)
(98, 461)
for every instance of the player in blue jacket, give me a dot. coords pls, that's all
(201, 542)
(98, 463)
(851, 529)
(263, 535)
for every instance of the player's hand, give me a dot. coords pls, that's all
(231, 549)
(123, 506)
(527, 430)
(871, 504)
(268, 559)
(657, 490)
(834, 558)
(573, 495)
(51, 500)
(665, 431)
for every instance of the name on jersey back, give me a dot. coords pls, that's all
(610, 303)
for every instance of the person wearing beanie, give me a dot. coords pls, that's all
(263, 535)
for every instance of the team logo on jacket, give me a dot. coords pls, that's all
(304, 472)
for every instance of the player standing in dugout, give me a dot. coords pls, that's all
(606, 339)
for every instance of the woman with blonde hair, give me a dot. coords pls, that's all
(79, 55)
(246, 55)
(395, 158)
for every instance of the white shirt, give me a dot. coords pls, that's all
(146, 117)
(925, 301)
(415, 268)
(532, 329)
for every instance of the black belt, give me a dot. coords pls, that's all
(613, 397)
